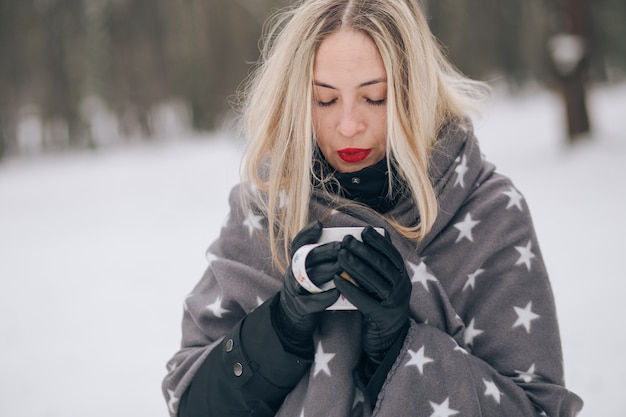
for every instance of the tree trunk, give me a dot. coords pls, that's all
(571, 53)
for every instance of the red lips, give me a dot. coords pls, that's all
(353, 154)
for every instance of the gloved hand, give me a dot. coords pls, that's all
(298, 310)
(382, 291)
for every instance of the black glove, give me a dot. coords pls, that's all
(382, 291)
(297, 312)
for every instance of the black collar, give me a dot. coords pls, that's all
(369, 186)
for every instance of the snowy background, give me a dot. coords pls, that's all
(99, 249)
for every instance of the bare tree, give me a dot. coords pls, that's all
(571, 51)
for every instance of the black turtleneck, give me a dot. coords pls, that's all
(369, 186)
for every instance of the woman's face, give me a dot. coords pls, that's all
(350, 101)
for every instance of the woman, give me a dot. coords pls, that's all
(356, 119)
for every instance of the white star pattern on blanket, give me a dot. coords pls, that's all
(216, 307)
(491, 390)
(210, 258)
(322, 360)
(471, 279)
(461, 349)
(525, 316)
(515, 199)
(420, 274)
(253, 222)
(461, 169)
(527, 376)
(443, 409)
(358, 397)
(526, 255)
(465, 228)
(471, 332)
(172, 402)
(418, 359)
(259, 301)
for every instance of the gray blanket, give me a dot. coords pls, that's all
(483, 341)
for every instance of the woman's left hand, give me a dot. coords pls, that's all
(382, 291)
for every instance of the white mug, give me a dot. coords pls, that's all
(298, 267)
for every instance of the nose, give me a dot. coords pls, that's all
(350, 123)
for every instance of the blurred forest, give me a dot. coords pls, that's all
(89, 73)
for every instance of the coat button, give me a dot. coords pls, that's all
(238, 369)
(229, 345)
(356, 180)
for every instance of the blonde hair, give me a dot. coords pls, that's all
(424, 93)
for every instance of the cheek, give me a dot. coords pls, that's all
(318, 123)
(381, 131)
(318, 130)
(322, 127)
(322, 120)
(324, 144)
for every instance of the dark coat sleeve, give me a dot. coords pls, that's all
(249, 373)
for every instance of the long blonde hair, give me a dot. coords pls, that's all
(424, 93)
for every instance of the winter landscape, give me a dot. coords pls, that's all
(99, 249)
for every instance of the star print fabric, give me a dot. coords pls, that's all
(483, 339)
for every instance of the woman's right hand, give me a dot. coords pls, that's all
(298, 309)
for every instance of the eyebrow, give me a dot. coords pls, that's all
(365, 84)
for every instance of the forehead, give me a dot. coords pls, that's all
(348, 53)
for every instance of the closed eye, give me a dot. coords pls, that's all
(376, 102)
(326, 103)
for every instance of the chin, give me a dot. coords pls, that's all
(346, 168)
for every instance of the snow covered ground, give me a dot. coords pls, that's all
(98, 250)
